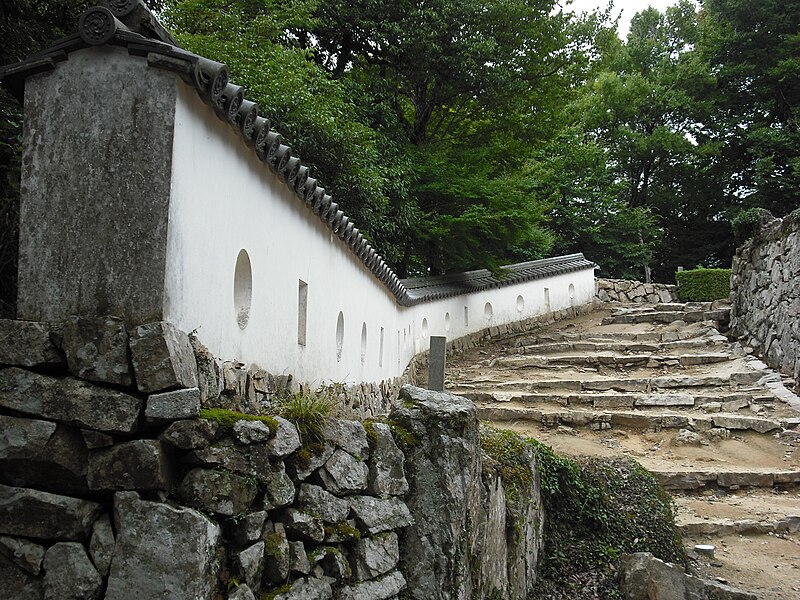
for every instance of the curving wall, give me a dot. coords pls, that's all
(174, 202)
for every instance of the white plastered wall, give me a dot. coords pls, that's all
(225, 200)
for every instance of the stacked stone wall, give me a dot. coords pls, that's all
(133, 464)
(628, 291)
(766, 295)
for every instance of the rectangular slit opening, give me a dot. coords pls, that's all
(302, 311)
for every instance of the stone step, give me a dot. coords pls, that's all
(708, 403)
(608, 359)
(603, 346)
(722, 527)
(599, 336)
(696, 480)
(645, 421)
(655, 316)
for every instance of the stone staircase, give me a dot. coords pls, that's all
(662, 384)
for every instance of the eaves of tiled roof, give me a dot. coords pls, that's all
(129, 24)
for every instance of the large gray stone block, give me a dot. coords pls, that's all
(374, 515)
(162, 552)
(378, 589)
(163, 358)
(97, 349)
(191, 434)
(217, 492)
(316, 501)
(25, 585)
(285, 441)
(386, 465)
(28, 344)
(42, 515)
(375, 555)
(348, 435)
(23, 553)
(69, 401)
(252, 460)
(134, 465)
(344, 474)
(42, 454)
(307, 589)
(101, 545)
(174, 405)
(68, 573)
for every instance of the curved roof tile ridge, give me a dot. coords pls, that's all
(130, 24)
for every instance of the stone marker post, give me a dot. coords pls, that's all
(436, 358)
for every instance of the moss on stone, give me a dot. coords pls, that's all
(272, 545)
(226, 419)
(274, 592)
(343, 531)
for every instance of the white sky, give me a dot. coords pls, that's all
(628, 8)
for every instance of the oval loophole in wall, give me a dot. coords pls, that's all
(242, 288)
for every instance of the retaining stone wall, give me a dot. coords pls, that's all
(766, 295)
(114, 485)
(628, 291)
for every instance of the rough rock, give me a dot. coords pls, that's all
(69, 401)
(251, 432)
(285, 441)
(754, 423)
(42, 454)
(303, 466)
(298, 559)
(250, 528)
(252, 461)
(251, 564)
(376, 555)
(23, 553)
(68, 573)
(161, 551)
(191, 434)
(350, 436)
(280, 490)
(97, 349)
(173, 405)
(135, 465)
(25, 585)
(685, 480)
(303, 526)
(316, 501)
(644, 577)
(329, 561)
(101, 545)
(344, 474)
(208, 374)
(307, 589)
(378, 589)
(375, 515)
(216, 492)
(94, 439)
(740, 479)
(686, 437)
(42, 515)
(28, 344)
(242, 592)
(277, 556)
(386, 466)
(162, 358)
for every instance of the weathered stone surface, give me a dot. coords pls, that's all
(251, 432)
(298, 559)
(162, 357)
(644, 577)
(250, 528)
(251, 564)
(25, 585)
(216, 492)
(241, 592)
(174, 405)
(161, 551)
(191, 434)
(43, 455)
(34, 514)
(68, 573)
(252, 460)
(376, 555)
(277, 558)
(69, 401)
(754, 423)
(208, 374)
(374, 515)
(386, 466)
(27, 344)
(302, 466)
(686, 437)
(101, 545)
(304, 527)
(316, 501)
(285, 441)
(135, 465)
(739, 479)
(307, 589)
(23, 553)
(97, 349)
(95, 439)
(350, 436)
(329, 561)
(378, 589)
(280, 490)
(685, 480)
(665, 400)
(343, 474)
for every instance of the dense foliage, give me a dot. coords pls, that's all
(703, 285)
(471, 133)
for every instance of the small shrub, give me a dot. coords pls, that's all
(308, 411)
(747, 222)
(703, 285)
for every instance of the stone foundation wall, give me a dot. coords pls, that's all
(627, 291)
(129, 468)
(766, 295)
